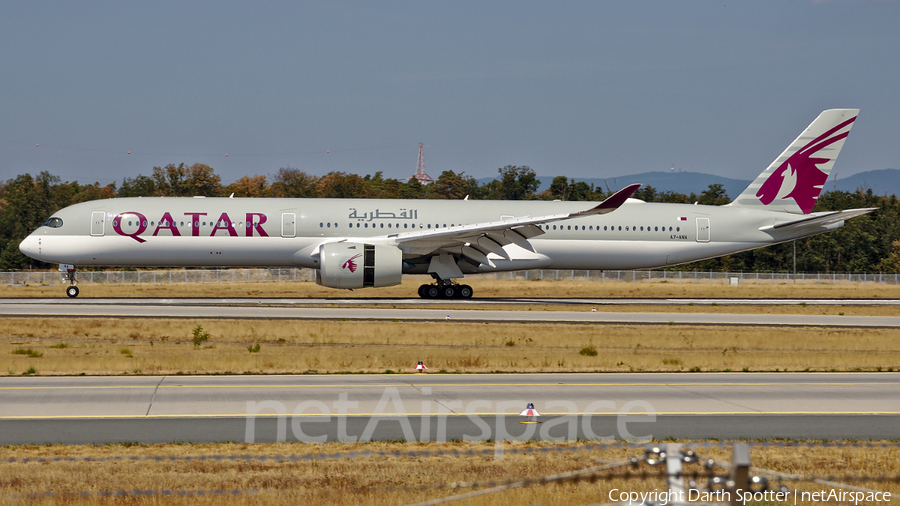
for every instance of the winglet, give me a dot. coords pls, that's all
(612, 203)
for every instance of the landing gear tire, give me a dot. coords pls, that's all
(445, 290)
(68, 274)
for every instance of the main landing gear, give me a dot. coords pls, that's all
(445, 290)
(68, 273)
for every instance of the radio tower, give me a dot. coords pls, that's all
(420, 169)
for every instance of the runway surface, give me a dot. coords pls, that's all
(158, 409)
(245, 301)
(270, 309)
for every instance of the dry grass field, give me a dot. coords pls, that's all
(389, 479)
(484, 288)
(164, 346)
(99, 346)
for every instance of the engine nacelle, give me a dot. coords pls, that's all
(354, 265)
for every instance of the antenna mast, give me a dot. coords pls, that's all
(420, 175)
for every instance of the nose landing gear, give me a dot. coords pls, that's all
(67, 272)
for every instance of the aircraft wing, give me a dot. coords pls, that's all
(818, 219)
(480, 239)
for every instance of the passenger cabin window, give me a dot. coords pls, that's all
(53, 222)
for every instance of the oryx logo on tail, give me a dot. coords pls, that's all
(800, 177)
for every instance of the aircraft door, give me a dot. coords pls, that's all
(288, 224)
(702, 229)
(98, 222)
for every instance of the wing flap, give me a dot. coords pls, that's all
(528, 231)
(517, 239)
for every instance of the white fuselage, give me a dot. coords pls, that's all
(167, 231)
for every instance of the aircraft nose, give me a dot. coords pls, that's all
(30, 247)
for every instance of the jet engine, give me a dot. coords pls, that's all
(354, 265)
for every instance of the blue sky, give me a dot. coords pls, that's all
(583, 89)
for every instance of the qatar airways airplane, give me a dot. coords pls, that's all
(356, 243)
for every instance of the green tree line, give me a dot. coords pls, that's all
(870, 243)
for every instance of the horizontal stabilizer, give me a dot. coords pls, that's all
(818, 219)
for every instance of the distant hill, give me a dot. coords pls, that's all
(679, 182)
(882, 182)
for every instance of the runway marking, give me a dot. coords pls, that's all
(416, 385)
(397, 415)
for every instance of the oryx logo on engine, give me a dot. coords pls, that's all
(350, 264)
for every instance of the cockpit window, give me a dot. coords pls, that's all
(53, 222)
